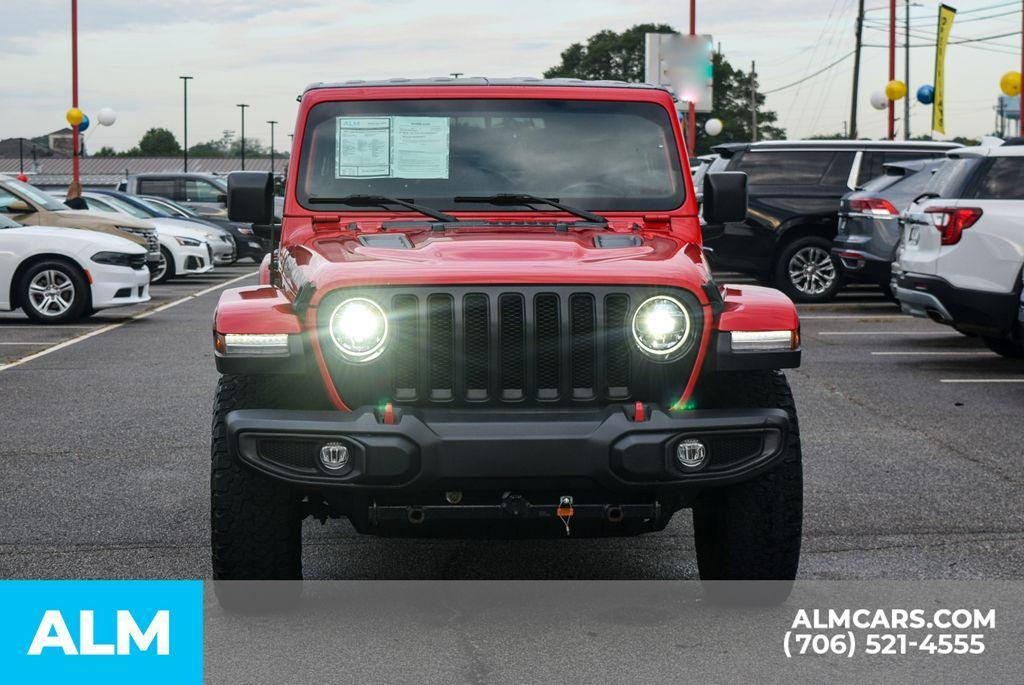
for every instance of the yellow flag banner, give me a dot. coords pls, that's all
(946, 16)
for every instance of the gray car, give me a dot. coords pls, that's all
(869, 229)
(204, 193)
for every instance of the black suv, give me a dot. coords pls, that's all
(794, 190)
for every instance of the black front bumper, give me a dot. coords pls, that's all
(429, 451)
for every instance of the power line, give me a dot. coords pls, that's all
(810, 76)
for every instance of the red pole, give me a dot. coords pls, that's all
(691, 126)
(74, 87)
(892, 66)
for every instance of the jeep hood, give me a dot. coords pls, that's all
(521, 257)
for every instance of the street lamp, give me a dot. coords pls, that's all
(242, 107)
(272, 123)
(184, 83)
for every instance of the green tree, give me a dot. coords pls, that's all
(620, 57)
(105, 151)
(608, 55)
(158, 142)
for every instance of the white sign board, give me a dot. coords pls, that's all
(682, 64)
(391, 147)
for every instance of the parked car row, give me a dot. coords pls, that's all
(795, 189)
(59, 264)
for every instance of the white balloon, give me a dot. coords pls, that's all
(713, 127)
(879, 100)
(106, 116)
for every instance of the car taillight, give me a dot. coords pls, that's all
(873, 205)
(951, 221)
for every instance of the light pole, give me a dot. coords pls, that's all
(272, 123)
(184, 83)
(691, 126)
(74, 90)
(242, 107)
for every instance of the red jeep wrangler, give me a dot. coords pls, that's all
(490, 315)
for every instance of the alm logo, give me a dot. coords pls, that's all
(53, 633)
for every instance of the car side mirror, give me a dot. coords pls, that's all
(725, 197)
(20, 207)
(250, 197)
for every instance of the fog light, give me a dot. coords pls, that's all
(334, 456)
(691, 455)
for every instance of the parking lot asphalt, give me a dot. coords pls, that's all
(911, 433)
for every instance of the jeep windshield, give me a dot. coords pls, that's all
(595, 155)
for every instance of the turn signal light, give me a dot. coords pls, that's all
(875, 206)
(951, 221)
(251, 344)
(765, 341)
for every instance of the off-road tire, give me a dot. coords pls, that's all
(752, 530)
(255, 522)
(1005, 348)
(820, 246)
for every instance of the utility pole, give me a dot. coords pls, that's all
(242, 107)
(753, 103)
(892, 66)
(272, 123)
(184, 82)
(906, 73)
(856, 70)
(21, 156)
(691, 125)
(75, 147)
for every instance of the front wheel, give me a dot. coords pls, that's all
(806, 271)
(164, 269)
(752, 530)
(255, 522)
(53, 292)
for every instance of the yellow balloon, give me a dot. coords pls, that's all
(74, 116)
(895, 90)
(1010, 83)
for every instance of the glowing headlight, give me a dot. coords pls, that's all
(359, 328)
(661, 326)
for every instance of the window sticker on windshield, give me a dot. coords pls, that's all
(363, 147)
(392, 147)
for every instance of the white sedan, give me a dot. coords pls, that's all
(57, 275)
(183, 249)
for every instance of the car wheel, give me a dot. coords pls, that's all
(53, 292)
(752, 530)
(164, 269)
(806, 271)
(1005, 348)
(255, 521)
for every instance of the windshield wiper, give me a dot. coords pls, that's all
(383, 201)
(502, 199)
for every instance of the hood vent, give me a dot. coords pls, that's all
(394, 241)
(619, 240)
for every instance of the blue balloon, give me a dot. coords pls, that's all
(84, 125)
(926, 94)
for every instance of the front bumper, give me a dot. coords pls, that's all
(972, 311)
(222, 251)
(425, 451)
(116, 286)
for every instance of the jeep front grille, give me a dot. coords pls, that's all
(498, 345)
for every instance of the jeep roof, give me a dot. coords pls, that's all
(483, 81)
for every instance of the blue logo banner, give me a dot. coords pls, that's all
(101, 631)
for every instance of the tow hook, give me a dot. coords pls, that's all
(565, 511)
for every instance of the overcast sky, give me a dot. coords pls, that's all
(263, 52)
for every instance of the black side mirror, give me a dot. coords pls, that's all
(725, 197)
(251, 197)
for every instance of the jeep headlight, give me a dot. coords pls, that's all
(661, 326)
(359, 328)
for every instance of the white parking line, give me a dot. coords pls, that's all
(855, 316)
(882, 333)
(959, 353)
(105, 329)
(981, 380)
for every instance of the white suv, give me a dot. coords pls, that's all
(961, 250)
